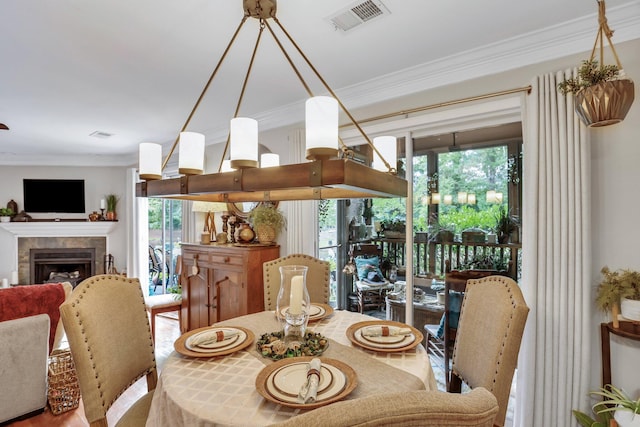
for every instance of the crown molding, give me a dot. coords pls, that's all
(568, 38)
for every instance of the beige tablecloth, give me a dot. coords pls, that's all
(221, 391)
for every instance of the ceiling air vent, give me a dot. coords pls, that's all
(100, 134)
(358, 13)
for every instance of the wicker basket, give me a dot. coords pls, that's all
(64, 392)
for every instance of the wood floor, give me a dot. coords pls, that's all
(167, 331)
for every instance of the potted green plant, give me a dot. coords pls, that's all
(506, 224)
(619, 292)
(112, 203)
(603, 95)
(394, 228)
(616, 404)
(268, 222)
(5, 214)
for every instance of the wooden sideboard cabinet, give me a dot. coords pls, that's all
(220, 282)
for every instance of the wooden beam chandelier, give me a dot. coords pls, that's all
(330, 172)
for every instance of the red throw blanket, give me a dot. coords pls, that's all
(24, 301)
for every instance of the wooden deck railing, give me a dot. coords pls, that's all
(431, 257)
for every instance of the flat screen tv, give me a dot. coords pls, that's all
(53, 195)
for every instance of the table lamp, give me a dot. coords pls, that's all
(210, 208)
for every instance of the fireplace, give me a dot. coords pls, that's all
(61, 265)
(65, 255)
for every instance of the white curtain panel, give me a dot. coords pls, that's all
(189, 232)
(137, 230)
(302, 224)
(554, 367)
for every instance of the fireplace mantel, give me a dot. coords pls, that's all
(57, 229)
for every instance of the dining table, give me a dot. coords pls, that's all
(221, 390)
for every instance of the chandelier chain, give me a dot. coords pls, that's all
(204, 91)
(242, 91)
(346, 111)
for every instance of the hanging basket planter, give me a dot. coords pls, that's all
(605, 103)
(603, 94)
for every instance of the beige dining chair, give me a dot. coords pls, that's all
(111, 344)
(412, 408)
(317, 278)
(485, 353)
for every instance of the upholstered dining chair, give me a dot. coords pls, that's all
(110, 340)
(485, 353)
(442, 337)
(317, 278)
(416, 408)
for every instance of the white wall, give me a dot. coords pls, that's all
(98, 183)
(615, 202)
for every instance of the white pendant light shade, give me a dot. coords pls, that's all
(448, 199)
(491, 196)
(498, 197)
(471, 199)
(150, 161)
(244, 143)
(462, 197)
(435, 198)
(321, 125)
(387, 146)
(268, 160)
(191, 153)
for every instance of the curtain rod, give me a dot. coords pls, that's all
(443, 104)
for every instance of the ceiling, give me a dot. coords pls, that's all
(134, 69)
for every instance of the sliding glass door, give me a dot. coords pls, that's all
(165, 236)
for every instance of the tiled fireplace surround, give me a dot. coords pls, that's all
(25, 244)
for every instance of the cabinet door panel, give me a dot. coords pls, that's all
(197, 293)
(230, 292)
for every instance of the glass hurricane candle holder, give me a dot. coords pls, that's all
(292, 304)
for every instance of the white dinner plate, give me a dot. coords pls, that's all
(338, 381)
(314, 311)
(392, 339)
(217, 346)
(385, 342)
(288, 379)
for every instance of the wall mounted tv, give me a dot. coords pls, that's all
(53, 195)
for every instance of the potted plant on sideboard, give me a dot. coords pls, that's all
(268, 222)
(619, 292)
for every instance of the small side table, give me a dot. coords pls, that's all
(627, 329)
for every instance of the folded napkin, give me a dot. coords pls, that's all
(385, 331)
(309, 389)
(206, 338)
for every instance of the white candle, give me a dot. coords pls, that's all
(14, 277)
(295, 299)
(102, 204)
